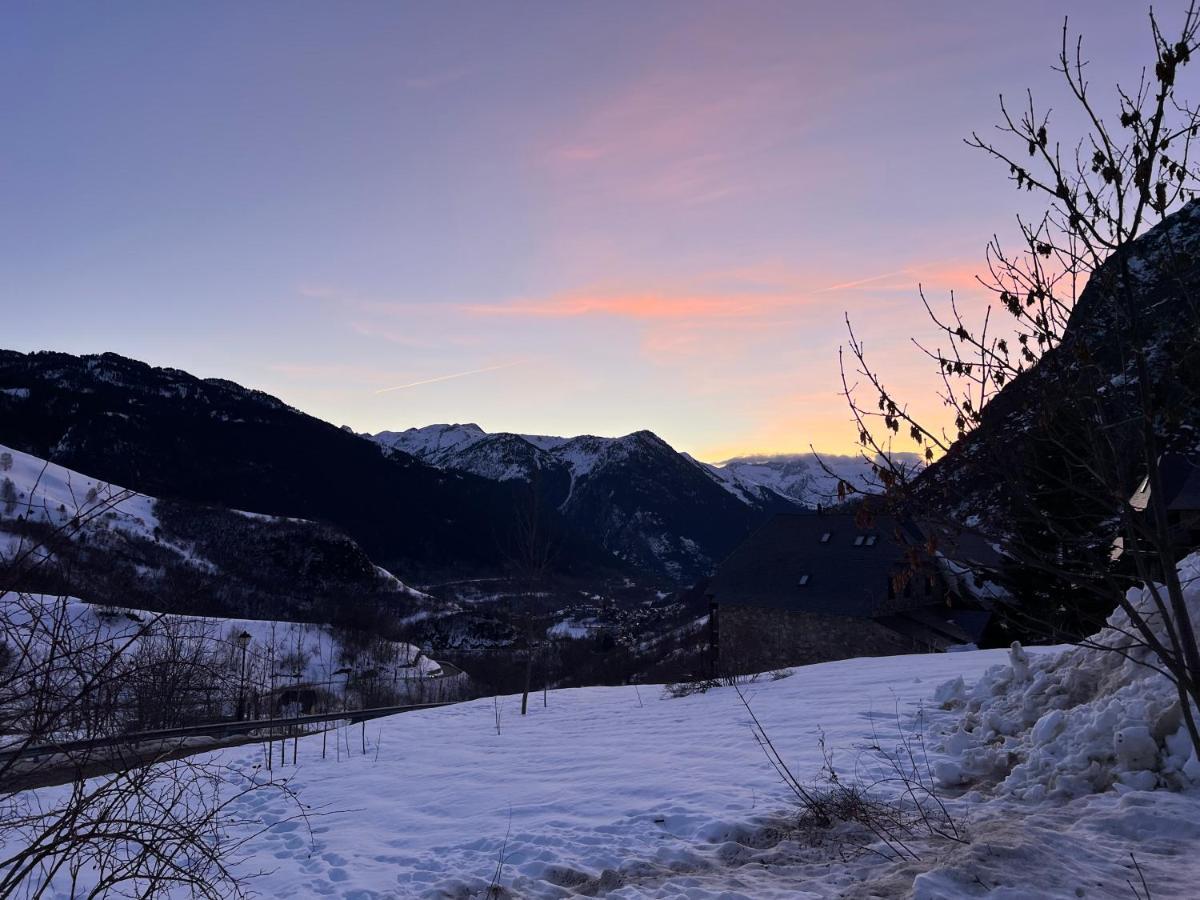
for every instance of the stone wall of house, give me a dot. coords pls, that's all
(754, 639)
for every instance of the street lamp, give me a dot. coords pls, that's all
(243, 641)
(345, 685)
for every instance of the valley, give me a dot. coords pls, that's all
(546, 451)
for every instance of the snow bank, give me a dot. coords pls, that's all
(1085, 720)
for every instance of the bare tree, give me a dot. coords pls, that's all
(124, 818)
(535, 545)
(1069, 402)
(535, 538)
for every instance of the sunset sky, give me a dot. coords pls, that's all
(542, 217)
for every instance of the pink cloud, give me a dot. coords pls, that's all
(573, 153)
(719, 110)
(680, 137)
(637, 305)
(655, 143)
(745, 293)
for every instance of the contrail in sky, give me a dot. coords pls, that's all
(853, 284)
(400, 387)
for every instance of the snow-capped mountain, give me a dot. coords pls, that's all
(468, 448)
(798, 476)
(504, 456)
(646, 502)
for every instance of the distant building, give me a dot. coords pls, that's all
(1180, 477)
(811, 587)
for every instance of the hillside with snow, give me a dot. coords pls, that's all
(64, 531)
(37, 492)
(306, 652)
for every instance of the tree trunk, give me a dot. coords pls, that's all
(528, 678)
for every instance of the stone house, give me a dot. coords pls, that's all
(811, 587)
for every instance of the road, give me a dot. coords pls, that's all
(45, 764)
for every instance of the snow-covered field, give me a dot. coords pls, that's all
(1067, 770)
(625, 793)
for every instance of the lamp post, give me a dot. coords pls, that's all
(345, 686)
(243, 641)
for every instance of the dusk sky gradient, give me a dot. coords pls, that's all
(542, 217)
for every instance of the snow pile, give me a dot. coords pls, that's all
(1082, 721)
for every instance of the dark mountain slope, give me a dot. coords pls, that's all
(171, 435)
(64, 533)
(1026, 471)
(651, 503)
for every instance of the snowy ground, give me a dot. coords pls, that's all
(1067, 769)
(604, 793)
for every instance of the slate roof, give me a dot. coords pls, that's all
(789, 563)
(962, 546)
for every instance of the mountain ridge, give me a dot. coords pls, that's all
(799, 477)
(168, 434)
(650, 505)
(622, 507)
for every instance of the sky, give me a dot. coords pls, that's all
(553, 218)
